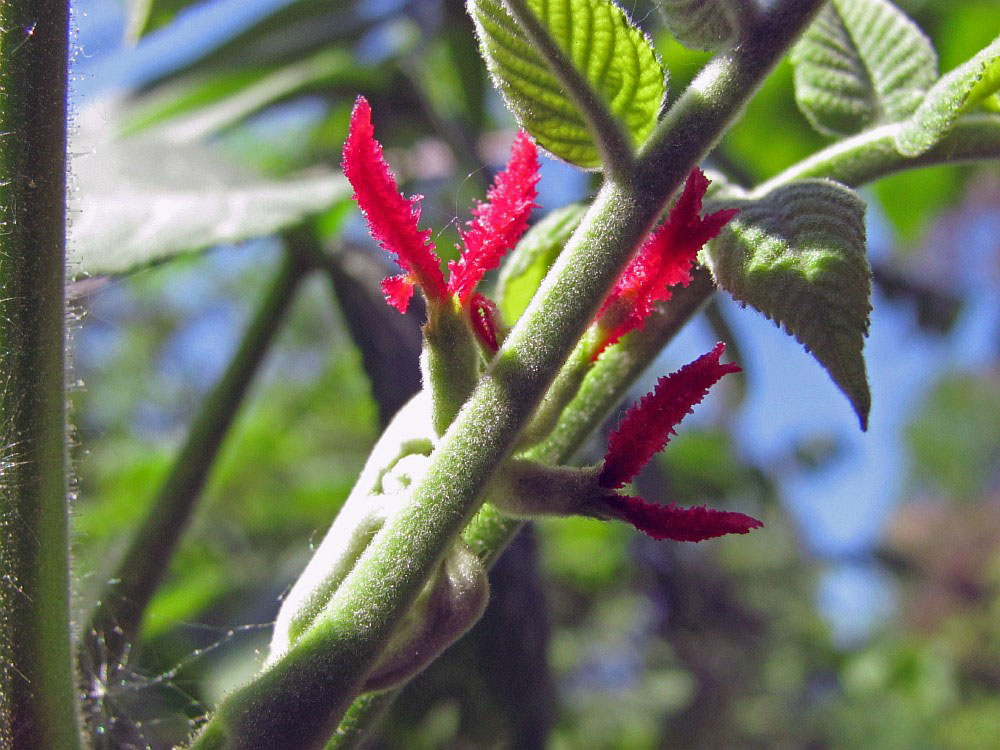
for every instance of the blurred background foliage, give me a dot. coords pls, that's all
(595, 637)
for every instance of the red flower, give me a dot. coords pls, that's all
(679, 524)
(645, 430)
(496, 227)
(662, 261)
(391, 218)
(498, 224)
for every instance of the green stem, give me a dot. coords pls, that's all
(871, 154)
(117, 618)
(38, 707)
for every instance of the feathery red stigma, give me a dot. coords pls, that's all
(392, 219)
(485, 320)
(680, 524)
(498, 224)
(647, 426)
(663, 260)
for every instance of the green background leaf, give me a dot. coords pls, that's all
(613, 55)
(141, 200)
(532, 258)
(861, 62)
(699, 24)
(798, 255)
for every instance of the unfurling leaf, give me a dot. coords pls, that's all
(532, 258)
(701, 24)
(392, 219)
(798, 255)
(861, 63)
(599, 40)
(670, 521)
(957, 92)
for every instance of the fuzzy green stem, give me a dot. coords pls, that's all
(617, 153)
(449, 363)
(118, 616)
(872, 154)
(38, 707)
(298, 701)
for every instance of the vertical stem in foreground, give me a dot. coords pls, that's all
(37, 691)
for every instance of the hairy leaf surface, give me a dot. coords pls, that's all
(798, 255)
(700, 24)
(860, 63)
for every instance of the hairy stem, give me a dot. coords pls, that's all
(117, 618)
(871, 154)
(38, 707)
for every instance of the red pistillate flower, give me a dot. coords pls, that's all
(647, 426)
(663, 260)
(485, 320)
(391, 218)
(498, 224)
(645, 430)
(680, 524)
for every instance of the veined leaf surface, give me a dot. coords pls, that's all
(600, 41)
(798, 255)
(860, 63)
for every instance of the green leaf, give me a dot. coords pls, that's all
(205, 107)
(605, 47)
(140, 200)
(701, 24)
(963, 88)
(532, 258)
(861, 62)
(798, 255)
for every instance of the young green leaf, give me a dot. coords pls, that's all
(959, 91)
(798, 255)
(532, 258)
(861, 62)
(611, 54)
(701, 24)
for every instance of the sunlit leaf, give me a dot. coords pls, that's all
(861, 62)
(598, 38)
(140, 200)
(798, 255)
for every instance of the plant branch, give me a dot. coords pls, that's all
(297, 701)
(117, 618)
(38, 707)
(871, 154)
(854, 161)
(617, 153)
